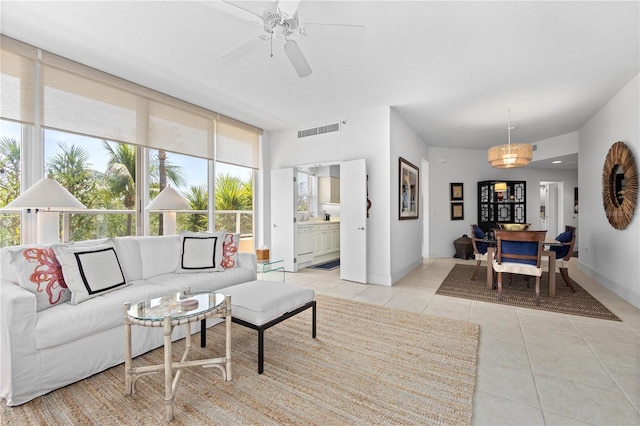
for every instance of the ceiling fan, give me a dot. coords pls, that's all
(279, 21)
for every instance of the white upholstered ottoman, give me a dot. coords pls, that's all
(262, 304)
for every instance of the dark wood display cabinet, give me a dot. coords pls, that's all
(497, 206)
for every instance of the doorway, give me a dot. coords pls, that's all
(349, 241)
(550, 214)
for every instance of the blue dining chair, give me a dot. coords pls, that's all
(519, 252)
(479, 248)
(564, 253)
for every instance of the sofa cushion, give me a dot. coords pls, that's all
(90, 271)
(200, 252)
(198, 281)
(39, 272)
(128, 251)
(230, 250)
(159, 255)
(67, 323)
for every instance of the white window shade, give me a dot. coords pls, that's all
(80, 99)
(180, 131)
(17, 81)
(237, 144)
(82, 105)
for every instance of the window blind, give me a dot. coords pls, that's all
(237, 145)
(80, 99)
(17, 82)
(77, 104)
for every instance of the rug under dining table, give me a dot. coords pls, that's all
(516, 293)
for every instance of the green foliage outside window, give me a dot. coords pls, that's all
(115, 189)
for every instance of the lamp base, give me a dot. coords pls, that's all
(48, 227)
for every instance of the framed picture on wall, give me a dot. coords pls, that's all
(457, 211)
(456, 191)
(408, 187)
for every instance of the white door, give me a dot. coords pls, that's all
(353, 220)
(283, 213)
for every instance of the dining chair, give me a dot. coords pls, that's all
(519, 252)
(564, 253)
(479, 248)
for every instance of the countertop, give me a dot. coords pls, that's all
(318, 222)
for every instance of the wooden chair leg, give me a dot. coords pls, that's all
(537, 291)
(475, 272)
(564, 272)
(500, 286)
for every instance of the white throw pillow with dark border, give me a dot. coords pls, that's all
(200, 252)
(90, 271)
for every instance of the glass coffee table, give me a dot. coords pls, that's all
(168, 312)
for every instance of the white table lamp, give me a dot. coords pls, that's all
(169, 200)
(48, 197)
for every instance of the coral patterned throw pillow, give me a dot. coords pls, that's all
(39, 272)
(230, 250)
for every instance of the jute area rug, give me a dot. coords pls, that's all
(369, 365)
(458, 284)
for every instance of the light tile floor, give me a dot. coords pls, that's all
(534, 367)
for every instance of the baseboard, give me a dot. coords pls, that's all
(626, 293)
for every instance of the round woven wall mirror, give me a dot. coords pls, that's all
(619, 185)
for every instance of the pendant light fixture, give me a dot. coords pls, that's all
(510, 155)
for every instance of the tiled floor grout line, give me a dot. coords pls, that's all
(533, 375)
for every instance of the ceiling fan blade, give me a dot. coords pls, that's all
(297, 59)
(244, 49)
(333, 33)
(288, 7)
(236, 10)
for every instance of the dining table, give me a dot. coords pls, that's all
(491, 248)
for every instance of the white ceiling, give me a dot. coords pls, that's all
(451, 69)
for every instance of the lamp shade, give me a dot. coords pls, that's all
(500, 186)
(169, 199)
(510, 155)
(47, 193)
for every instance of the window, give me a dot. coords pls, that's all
(10, 162)
(188, 176)
(99, 173)
(305, 194)
(234, 202)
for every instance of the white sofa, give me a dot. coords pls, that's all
(44, 350)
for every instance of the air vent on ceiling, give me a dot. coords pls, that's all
(335, 127)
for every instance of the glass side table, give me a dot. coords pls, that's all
(271, 270)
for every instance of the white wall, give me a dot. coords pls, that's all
(556, 146)
(470, 166)
(406, 235)
(607, 254)
(365, 135)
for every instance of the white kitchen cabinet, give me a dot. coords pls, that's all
(329, 190)
(317, 241)
(321, 237)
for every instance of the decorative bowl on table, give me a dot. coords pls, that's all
(515, 226)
